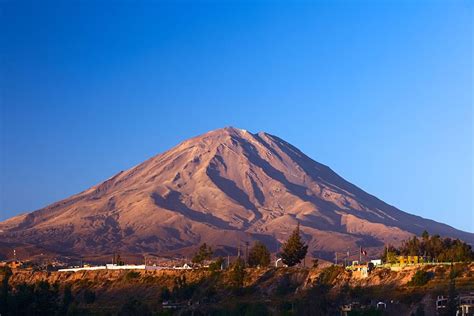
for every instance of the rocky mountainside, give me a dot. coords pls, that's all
(225, 187)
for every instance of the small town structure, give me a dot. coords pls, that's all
(441, 303)
(466, 305)
(12, 264)
(359, 270)
(409, 260)
(125, 267)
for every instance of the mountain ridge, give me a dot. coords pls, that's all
(222, 187)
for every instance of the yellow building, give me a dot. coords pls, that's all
(406, 260)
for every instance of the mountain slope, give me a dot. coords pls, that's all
(222, 187)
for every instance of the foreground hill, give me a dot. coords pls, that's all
(265, 291)
(224, 187)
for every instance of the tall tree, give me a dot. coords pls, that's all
(294, 249)
(238, 273)
(204, 253)
(259, 255)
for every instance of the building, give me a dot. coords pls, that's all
(441, 303)
(406, 260)
(359, 270)
(466, 305)
(12, 264)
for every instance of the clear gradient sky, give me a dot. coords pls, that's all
(381, 91)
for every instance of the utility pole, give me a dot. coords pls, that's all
(246, 251)
(336, 258)
(360, 255)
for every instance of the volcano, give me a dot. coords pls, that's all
(225, 188)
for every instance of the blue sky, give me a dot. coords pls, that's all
(381, 91)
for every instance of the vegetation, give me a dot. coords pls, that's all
(259, 256)
(432, 248)
(132, 275)
(204, 253)
(216, 264)
(182, 290)
(89, 296)
(452, 292)
(134, 307)
(238, 273)
(329, 274)
(294, 250)
(420, 278)
(265, 292)
(4, 289)
(165, 294)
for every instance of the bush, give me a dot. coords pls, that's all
(420, 278)
(132, 275)
(238, 273)
(89, 296)
(134, 307)
(165, 294)
(329, 274)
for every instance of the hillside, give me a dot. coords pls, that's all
(224, 187)
(268, 291)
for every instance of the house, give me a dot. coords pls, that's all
(359, 270)
(466, 305)
(441, 303)
(381, 305)
(406, 260)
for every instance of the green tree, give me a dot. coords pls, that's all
(390, 254)
(216, 264)
(259, 255)
(238, 273)
(294, 249)
(204, 253)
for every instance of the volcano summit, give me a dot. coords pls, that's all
(225, 186)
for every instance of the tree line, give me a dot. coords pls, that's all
(433, 248)
(293, 251)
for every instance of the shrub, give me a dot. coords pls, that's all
(238, 273)
(89, 296)
(329, 274)
(134, 307)
(132, 275)
(420, 278)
